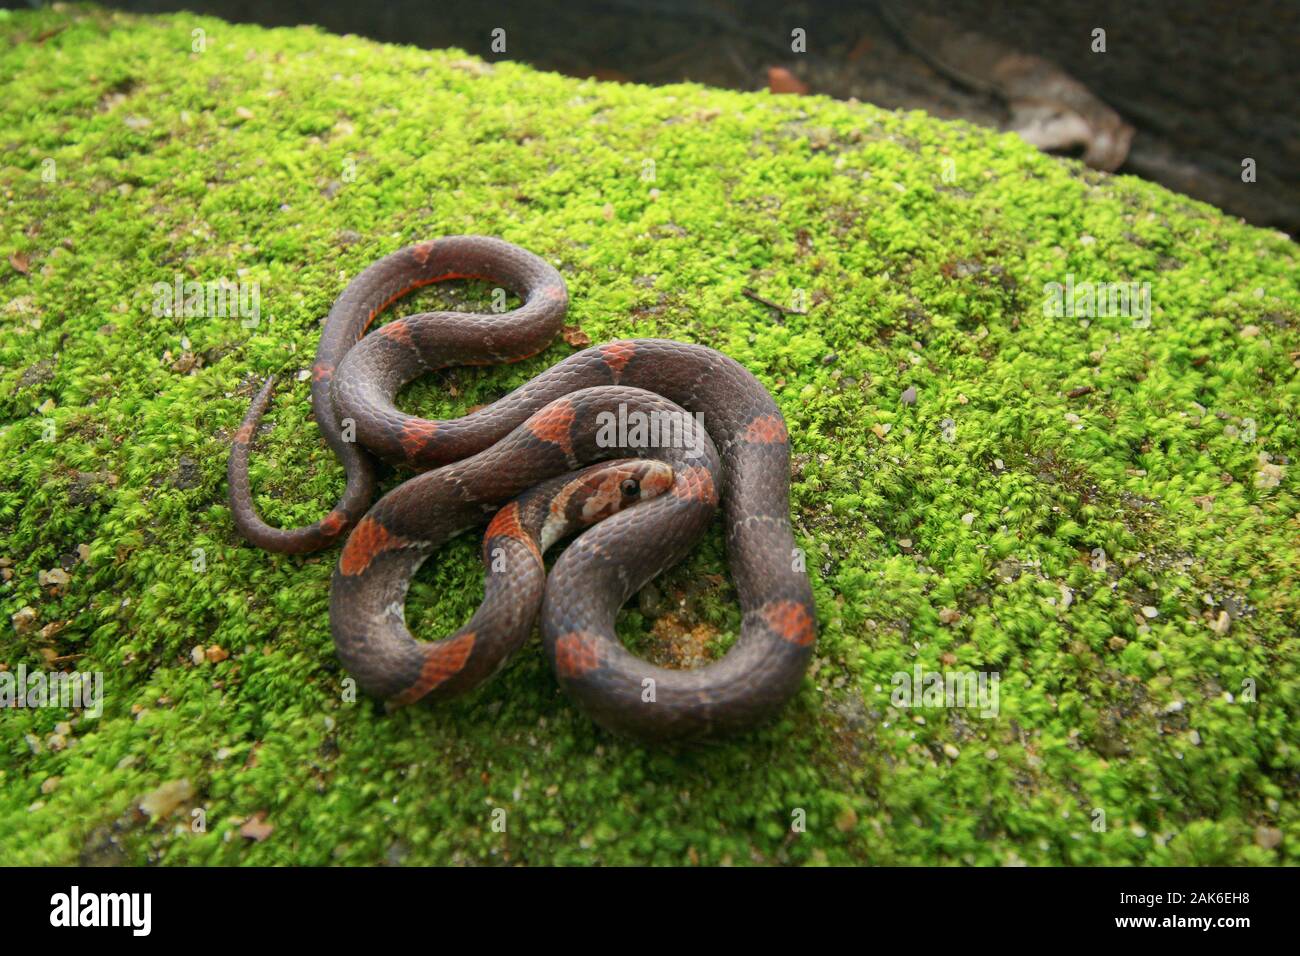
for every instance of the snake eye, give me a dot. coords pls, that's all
(630, 487)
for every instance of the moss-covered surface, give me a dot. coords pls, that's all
(958, 532)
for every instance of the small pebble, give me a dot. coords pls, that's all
(57, 577)
(24, 620)
(256, 829)
(1268, 837)
(164, 800)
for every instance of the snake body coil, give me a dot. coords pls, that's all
(559, 421)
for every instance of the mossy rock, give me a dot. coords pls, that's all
(1100, 508)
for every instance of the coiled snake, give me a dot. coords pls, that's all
(572, 415)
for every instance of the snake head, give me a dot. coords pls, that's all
(642, 479)
(611, 486)
(598, 491)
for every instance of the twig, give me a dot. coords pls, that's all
(781, 310)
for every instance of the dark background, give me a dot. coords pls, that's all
(1205, 84)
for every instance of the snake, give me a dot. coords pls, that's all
(635, 443)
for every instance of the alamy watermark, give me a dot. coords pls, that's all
(922, 688)
(75, 908)
(218, 299)
(1092, 300)
(657, 429)
(80, 690)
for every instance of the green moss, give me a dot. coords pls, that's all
(130, 160)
